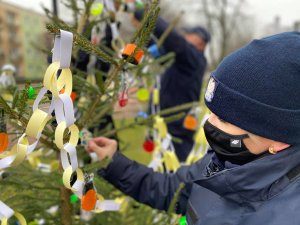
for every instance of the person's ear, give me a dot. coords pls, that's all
(279, 146)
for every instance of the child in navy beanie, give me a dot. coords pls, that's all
(251, 174)
(257, 88)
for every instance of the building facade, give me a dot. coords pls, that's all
(21, 31)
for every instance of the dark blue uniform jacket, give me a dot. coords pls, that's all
(181, 83)
(264, 191)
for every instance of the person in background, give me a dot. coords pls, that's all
(82, 62)
(251, 174)
(181, 83)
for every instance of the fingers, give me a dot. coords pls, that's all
(101, 141)
(92, 147)
(103, 147)
(96, 144)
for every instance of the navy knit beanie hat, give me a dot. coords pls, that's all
(257, 88)
(200, 31)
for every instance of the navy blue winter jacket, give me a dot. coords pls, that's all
(264, 191)
(181, 83)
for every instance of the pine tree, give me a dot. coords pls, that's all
(35, 187)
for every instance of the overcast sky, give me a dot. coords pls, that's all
(266, 10)
(263, 10)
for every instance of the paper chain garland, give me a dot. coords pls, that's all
(200, 146)
(109, 4)
(62, 105)
(164, 157)
(164, 154)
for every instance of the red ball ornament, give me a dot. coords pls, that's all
(123, 99)
(149, 145)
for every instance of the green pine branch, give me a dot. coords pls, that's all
(81, 42)
(177, 110)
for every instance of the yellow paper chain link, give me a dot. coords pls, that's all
(200, 144)
(164, 157)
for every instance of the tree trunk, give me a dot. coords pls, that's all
(66, 207)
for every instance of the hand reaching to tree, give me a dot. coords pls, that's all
(103, 147)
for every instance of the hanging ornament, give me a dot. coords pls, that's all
(89, 198)
(143, 95)
(154, 51)
(123, 99)
(3, 141)
(129, 50)
(97, 9)
(73, 199)
(96, 36)
(31, 93)
(131, 7)
(123, 93)
(7, 79)
(155, 104)
(3, 133)
(142, 115)
(149, 144)
(85, 135)
(139, 5)
(73, 96)
(191, 120)
(182, 220)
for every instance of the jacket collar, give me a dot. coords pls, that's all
(254, 181)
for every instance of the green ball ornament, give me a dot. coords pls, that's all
(31, 92)
(80, 134)
(139, 5)
(182, 220)
(97, 9)
(143, 95)
(73, 199)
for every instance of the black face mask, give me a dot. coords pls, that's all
(228, 147)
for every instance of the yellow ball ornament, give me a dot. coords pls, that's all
(97, 9)
(143, 95)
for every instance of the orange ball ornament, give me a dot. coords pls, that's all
(3, 141)
(190, 122)
(89, 200)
